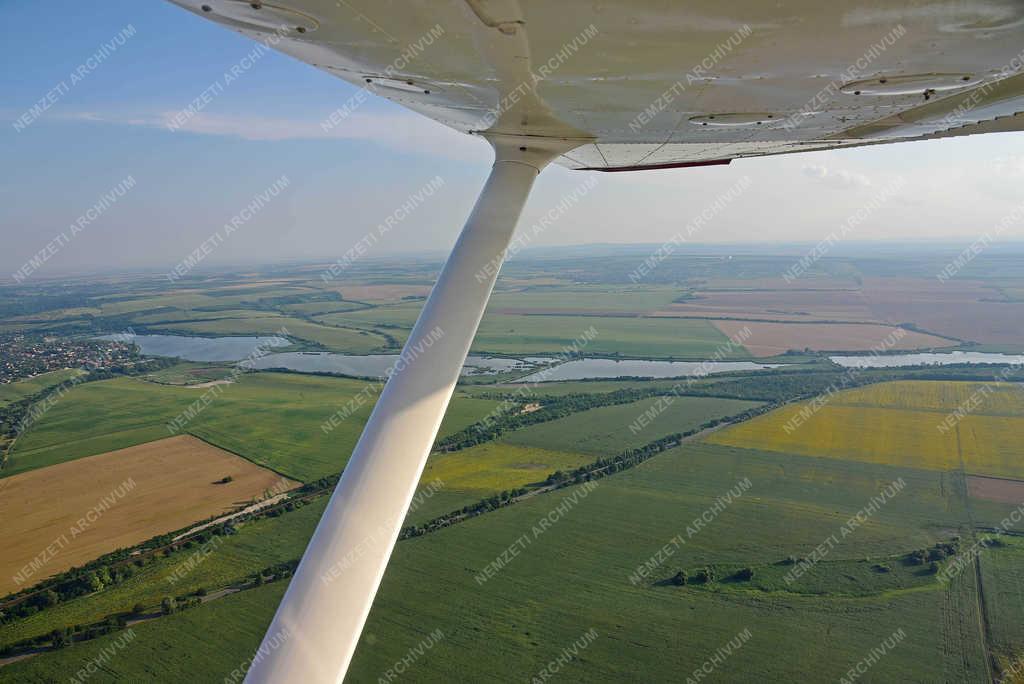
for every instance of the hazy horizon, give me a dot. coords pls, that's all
(118, 122)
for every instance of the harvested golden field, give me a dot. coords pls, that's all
(900, 423)
(769, 339)
(966, 309)
(66, 514)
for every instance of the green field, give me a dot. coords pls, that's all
(635, 299)
(1003, 576)
(606, 431)
(627, 336)
(15, 391)
(270, 418)
(164, 649)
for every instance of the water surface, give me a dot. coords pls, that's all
(376, 365)
(201, 348)
(586, 369)
(924, 359)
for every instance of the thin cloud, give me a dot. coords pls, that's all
(403, 132)
(836, 179)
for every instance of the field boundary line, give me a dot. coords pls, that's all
(240, 455)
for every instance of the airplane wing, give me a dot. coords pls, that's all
(654, 83)
(594, 85)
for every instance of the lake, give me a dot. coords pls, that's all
(586, 369)
(926, 359)
(200, 348)
(375, 365)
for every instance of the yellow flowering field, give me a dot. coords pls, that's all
(920, 424)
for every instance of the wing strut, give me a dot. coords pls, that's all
(317, 625)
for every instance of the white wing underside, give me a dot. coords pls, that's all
(647, 83)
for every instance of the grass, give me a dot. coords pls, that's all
(15, 391)
(898, 423)
(272, 419)
(168, 649)
(1003, 576)
(607, 431)
(190, 373)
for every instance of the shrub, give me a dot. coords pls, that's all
(679, 579)
(704, 576)
(917, 557)
(59, 638)
(744, 574)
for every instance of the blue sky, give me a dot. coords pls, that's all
(265, 124)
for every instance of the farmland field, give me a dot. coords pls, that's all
(542, 333)
(1002, 568)
(851, 426)
(606, 431)
(627, 336)
(771, 339)
(778, 305)
(488, 468)
(273, 419)
(965, 309)
(139, 492)
(590, 300)
(14, 391)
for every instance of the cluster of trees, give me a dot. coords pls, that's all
(935, 554)
(170, 605)
(65, 636)
(72, 584)
(319, 485)
(707, 575)
(274, 572)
